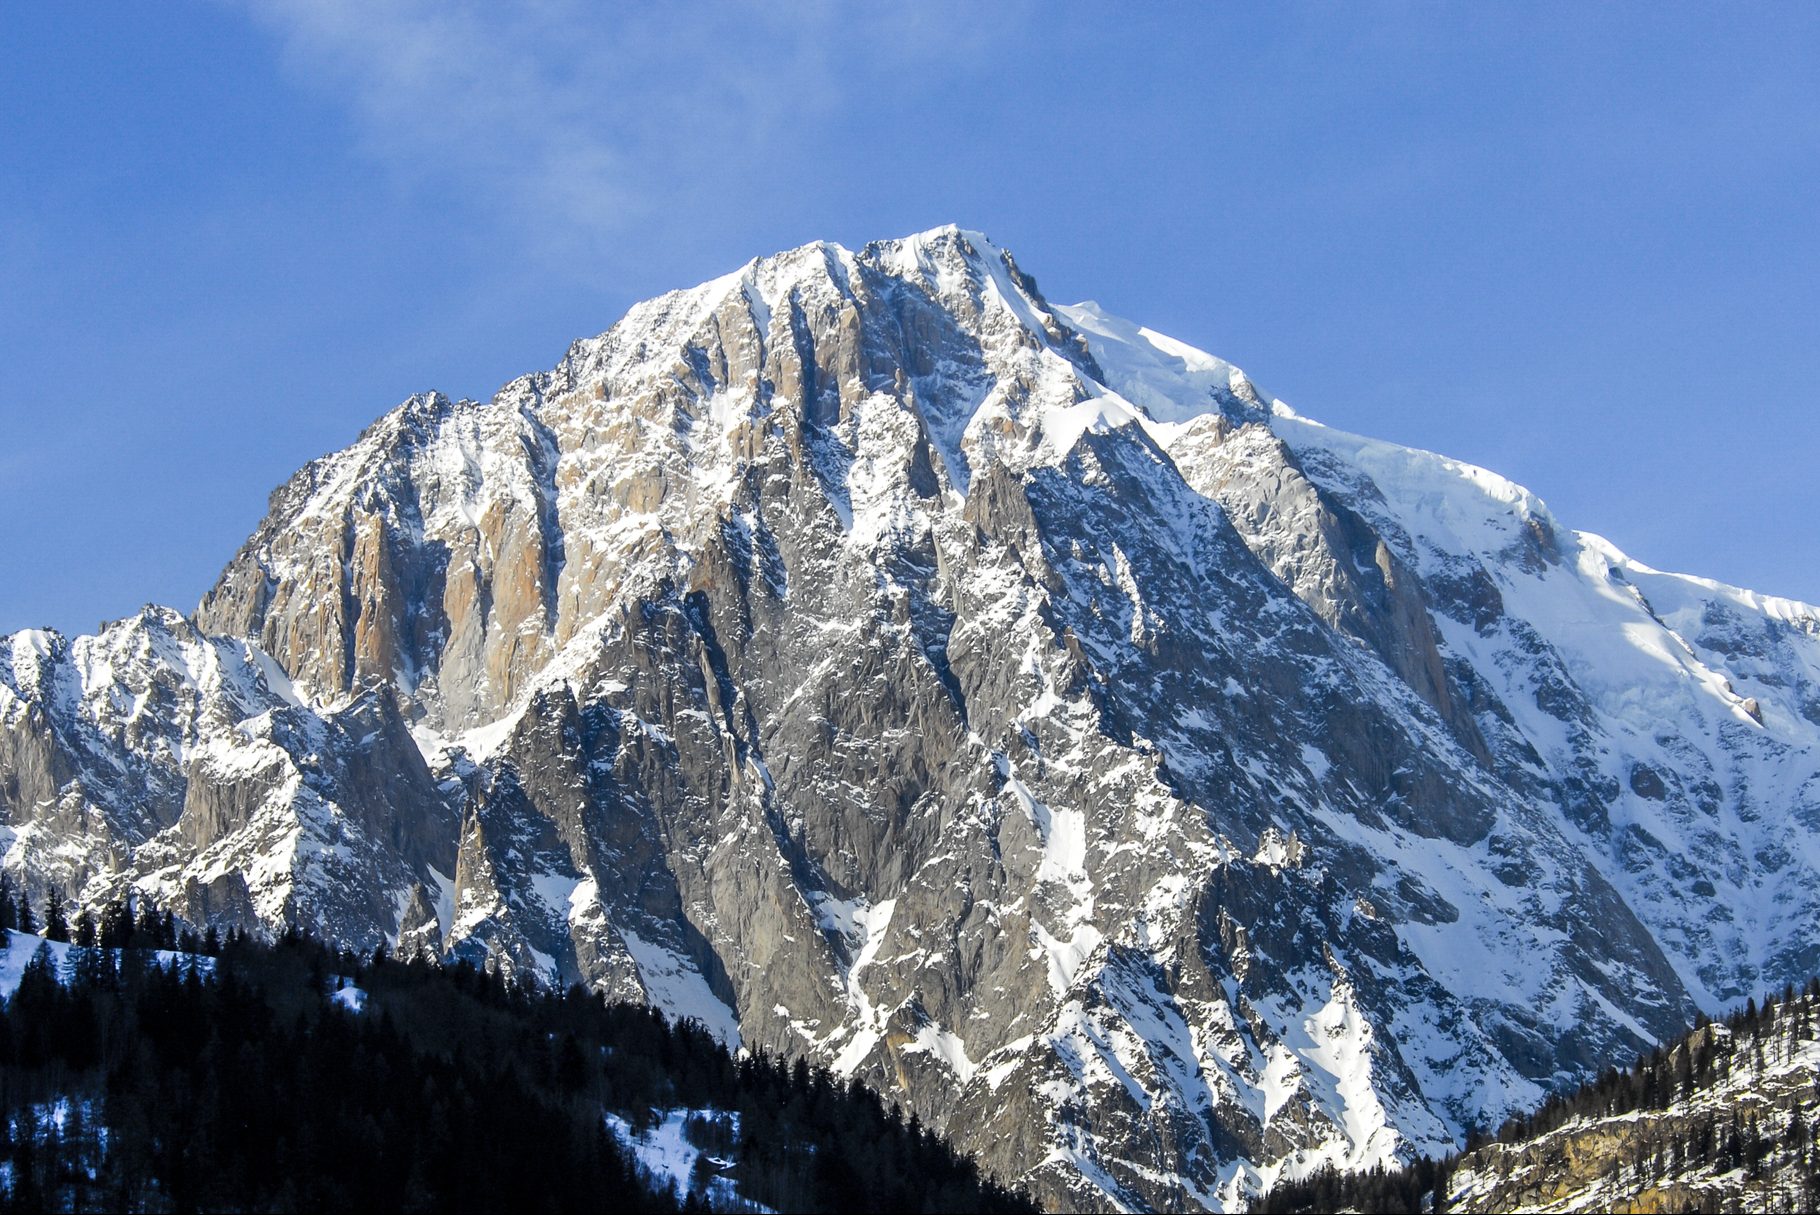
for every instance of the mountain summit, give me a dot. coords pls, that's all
(999, 702)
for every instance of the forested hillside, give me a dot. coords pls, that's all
(290, 1076)
(1724, 1119)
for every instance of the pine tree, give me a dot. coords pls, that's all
(56, 926)
(146, 926)
(116, 930)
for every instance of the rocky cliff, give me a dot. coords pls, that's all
(997, 701)
(1720, 1120)
(1729, 1126)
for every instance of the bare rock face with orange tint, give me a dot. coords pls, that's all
(993, 701)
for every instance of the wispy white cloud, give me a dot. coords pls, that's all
(581, 124)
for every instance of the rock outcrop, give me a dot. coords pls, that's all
(991, 700)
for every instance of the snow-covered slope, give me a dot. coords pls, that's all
(1673, 719)
(1727, 1125)
(19, 949)
(996, 701)
(155, 757)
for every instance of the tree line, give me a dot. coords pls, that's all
(119, 924)
(230, 1077)
(1745, 1045)
(1740, 1050)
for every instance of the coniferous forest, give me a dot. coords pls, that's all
(287, 1075)
(144, 1067)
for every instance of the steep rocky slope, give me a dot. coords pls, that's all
(1732, 1129)
(996, 701)
(1721, 1120)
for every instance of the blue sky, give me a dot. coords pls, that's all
(1577, 244)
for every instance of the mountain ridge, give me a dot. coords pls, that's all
(995, 700)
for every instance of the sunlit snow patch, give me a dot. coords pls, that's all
(667, 1157)
(676, 986)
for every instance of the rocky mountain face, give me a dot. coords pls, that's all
(1722, 1119)
(1726, 1122)
(993, 700)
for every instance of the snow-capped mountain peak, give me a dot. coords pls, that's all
(996, 701)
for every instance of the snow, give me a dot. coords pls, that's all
(1705, 685)
(1338, 1043)
(667, 1157)
(1280, 1080)
(19, 951)
(675, 985)
(482, 741)
(863, 926)
(1171, 381)
(445, 900)
(1063, 835)
(21, 947)
(1626, 635)
(561, 893)
(1061, 866)
(945, 1045)
(275, 679)
(1664, 662)
(350, 997)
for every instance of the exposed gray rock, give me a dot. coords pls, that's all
(990, 700)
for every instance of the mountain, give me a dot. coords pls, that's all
(1723, 1119)
(994, 701)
